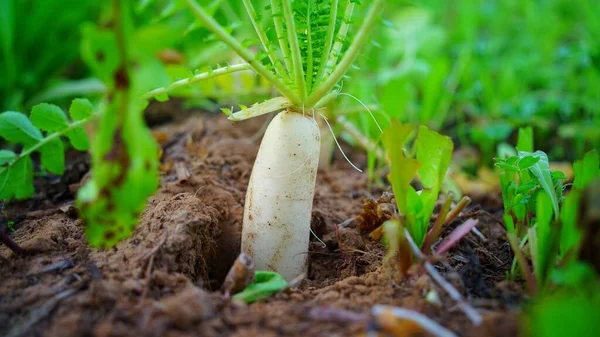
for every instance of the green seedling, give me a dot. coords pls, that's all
(312, 46)
(431, 161)
(41, 133)
(535, 213)
(266, 283)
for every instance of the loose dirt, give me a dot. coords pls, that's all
(164, 280)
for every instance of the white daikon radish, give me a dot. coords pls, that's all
(309, 51)
(280, 194)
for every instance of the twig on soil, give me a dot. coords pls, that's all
(40, 313)
(326, 313)
(453, 214)
(381, 311)
(183, 174)
(8, 241)
(59, 266)
(471, 313)
(383, 318)
(150, 255)
(479, 234)
(155, 248)
(147, 278)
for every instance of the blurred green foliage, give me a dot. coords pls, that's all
(480, 69)
(39, 49)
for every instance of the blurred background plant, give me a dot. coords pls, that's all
(476, 69)
(39, 52)
(480, 69)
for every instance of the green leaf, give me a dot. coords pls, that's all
(53, 156)
(402, 169)
(509, 223)
(586, 170)
(49, 117)
(6, 156)
(16, 128)
(565, 312)
(434, 152)
(527, 162)
(81, 109)
(17, 180)
(570, 234)
(266, 283)
(506, 167)
(541, 170)
(526, 187)
(574, 275)
(525, 141)
(79, 139)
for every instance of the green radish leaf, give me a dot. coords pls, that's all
(79, 139)
(541, 170)
(16, 128)
(49, 117)
(81, 109)
(6, 156)
(53, 156)
(266, 283)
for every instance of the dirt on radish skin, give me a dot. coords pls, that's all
(162, 281)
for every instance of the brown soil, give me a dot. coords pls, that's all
(163, 281)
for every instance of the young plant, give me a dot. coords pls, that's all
(304, 58)
(433, 154)
(41, 133)
(534, 211)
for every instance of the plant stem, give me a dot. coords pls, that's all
(464, 202)
(328, 39)
(278, 23)
(294, 48)
(48, 139)
(531, 285)
(435, 231)
(332, 57)
(309, 57)
(350, 55)
(218, 30)
(187, 81)
(262, 35)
